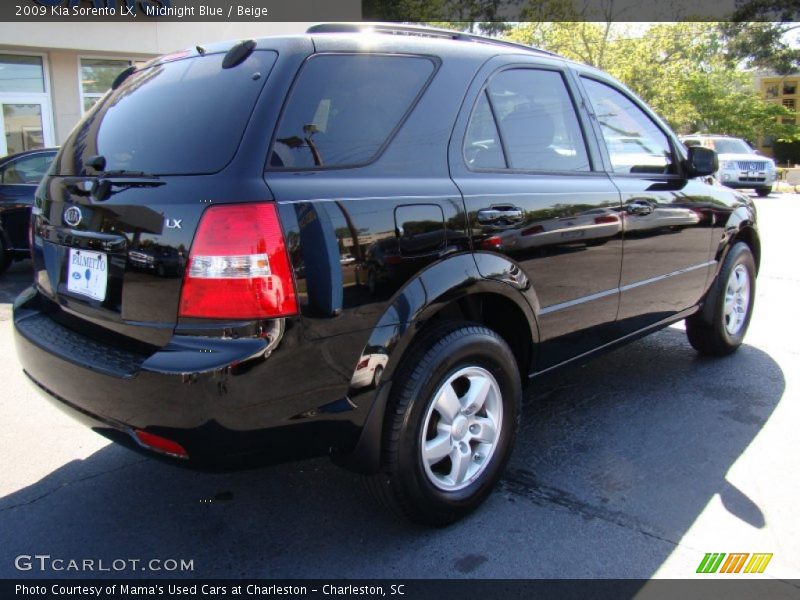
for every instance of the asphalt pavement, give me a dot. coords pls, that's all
(634, 465)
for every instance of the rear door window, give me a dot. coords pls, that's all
(344, 108)
(532, 114)
(179, 117)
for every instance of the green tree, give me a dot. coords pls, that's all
(682, 70)
(762, 45)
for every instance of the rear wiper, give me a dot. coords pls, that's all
(102, 188)
(123, 173)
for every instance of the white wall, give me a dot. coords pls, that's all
(133, 41)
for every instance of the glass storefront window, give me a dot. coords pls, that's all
(97, 75)
(23, 127)
(21, 74)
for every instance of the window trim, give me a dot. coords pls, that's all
(677, 156)
(434, 60)
(508, 169)
(83, 95)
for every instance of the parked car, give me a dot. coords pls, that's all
(19, 175)
(313, 149)
(740, 166)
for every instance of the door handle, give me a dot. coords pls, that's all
(500, 215)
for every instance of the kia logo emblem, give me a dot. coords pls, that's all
(73, 216)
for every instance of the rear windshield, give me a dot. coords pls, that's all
(344, 108)
(181, 117)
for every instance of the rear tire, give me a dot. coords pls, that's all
(450, 424)
(731, 299)
(763, 192)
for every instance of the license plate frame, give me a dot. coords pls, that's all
(87, 273)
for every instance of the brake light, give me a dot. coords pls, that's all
(606, 219)
(237, 266)
(493, 242)
(533, 230)
(160, 444)
(363, 364)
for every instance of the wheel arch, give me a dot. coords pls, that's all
(741, 227)
(451, 289)
(748, 234)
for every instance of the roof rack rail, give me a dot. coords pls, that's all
(434, 32)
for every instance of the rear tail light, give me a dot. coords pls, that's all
(160, 444)
(493, 242)
(606, 219)
(238, 267)
(363, 364)
(533, 230)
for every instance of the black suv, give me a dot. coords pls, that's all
(370, 243)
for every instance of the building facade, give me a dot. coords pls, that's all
(778, 89)
(51, 73)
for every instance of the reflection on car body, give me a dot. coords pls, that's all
(593, 226)
(164, 261)
(370, 368)
(644, 216)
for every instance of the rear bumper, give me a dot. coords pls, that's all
(220, 399)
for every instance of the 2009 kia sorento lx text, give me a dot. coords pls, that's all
(364, 245)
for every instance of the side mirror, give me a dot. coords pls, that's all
(701, 161)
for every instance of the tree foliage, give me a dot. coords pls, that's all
(683, 70)
(762, 45)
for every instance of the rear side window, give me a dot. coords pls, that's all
(532, 114)
(344, 108)
(181, 117)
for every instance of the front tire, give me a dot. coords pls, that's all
(450, 425)
(719, 328)
(763, 192)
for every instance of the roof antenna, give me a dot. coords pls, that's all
(201, 50)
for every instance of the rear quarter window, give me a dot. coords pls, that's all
(343, 109)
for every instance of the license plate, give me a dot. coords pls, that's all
(87, 274)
